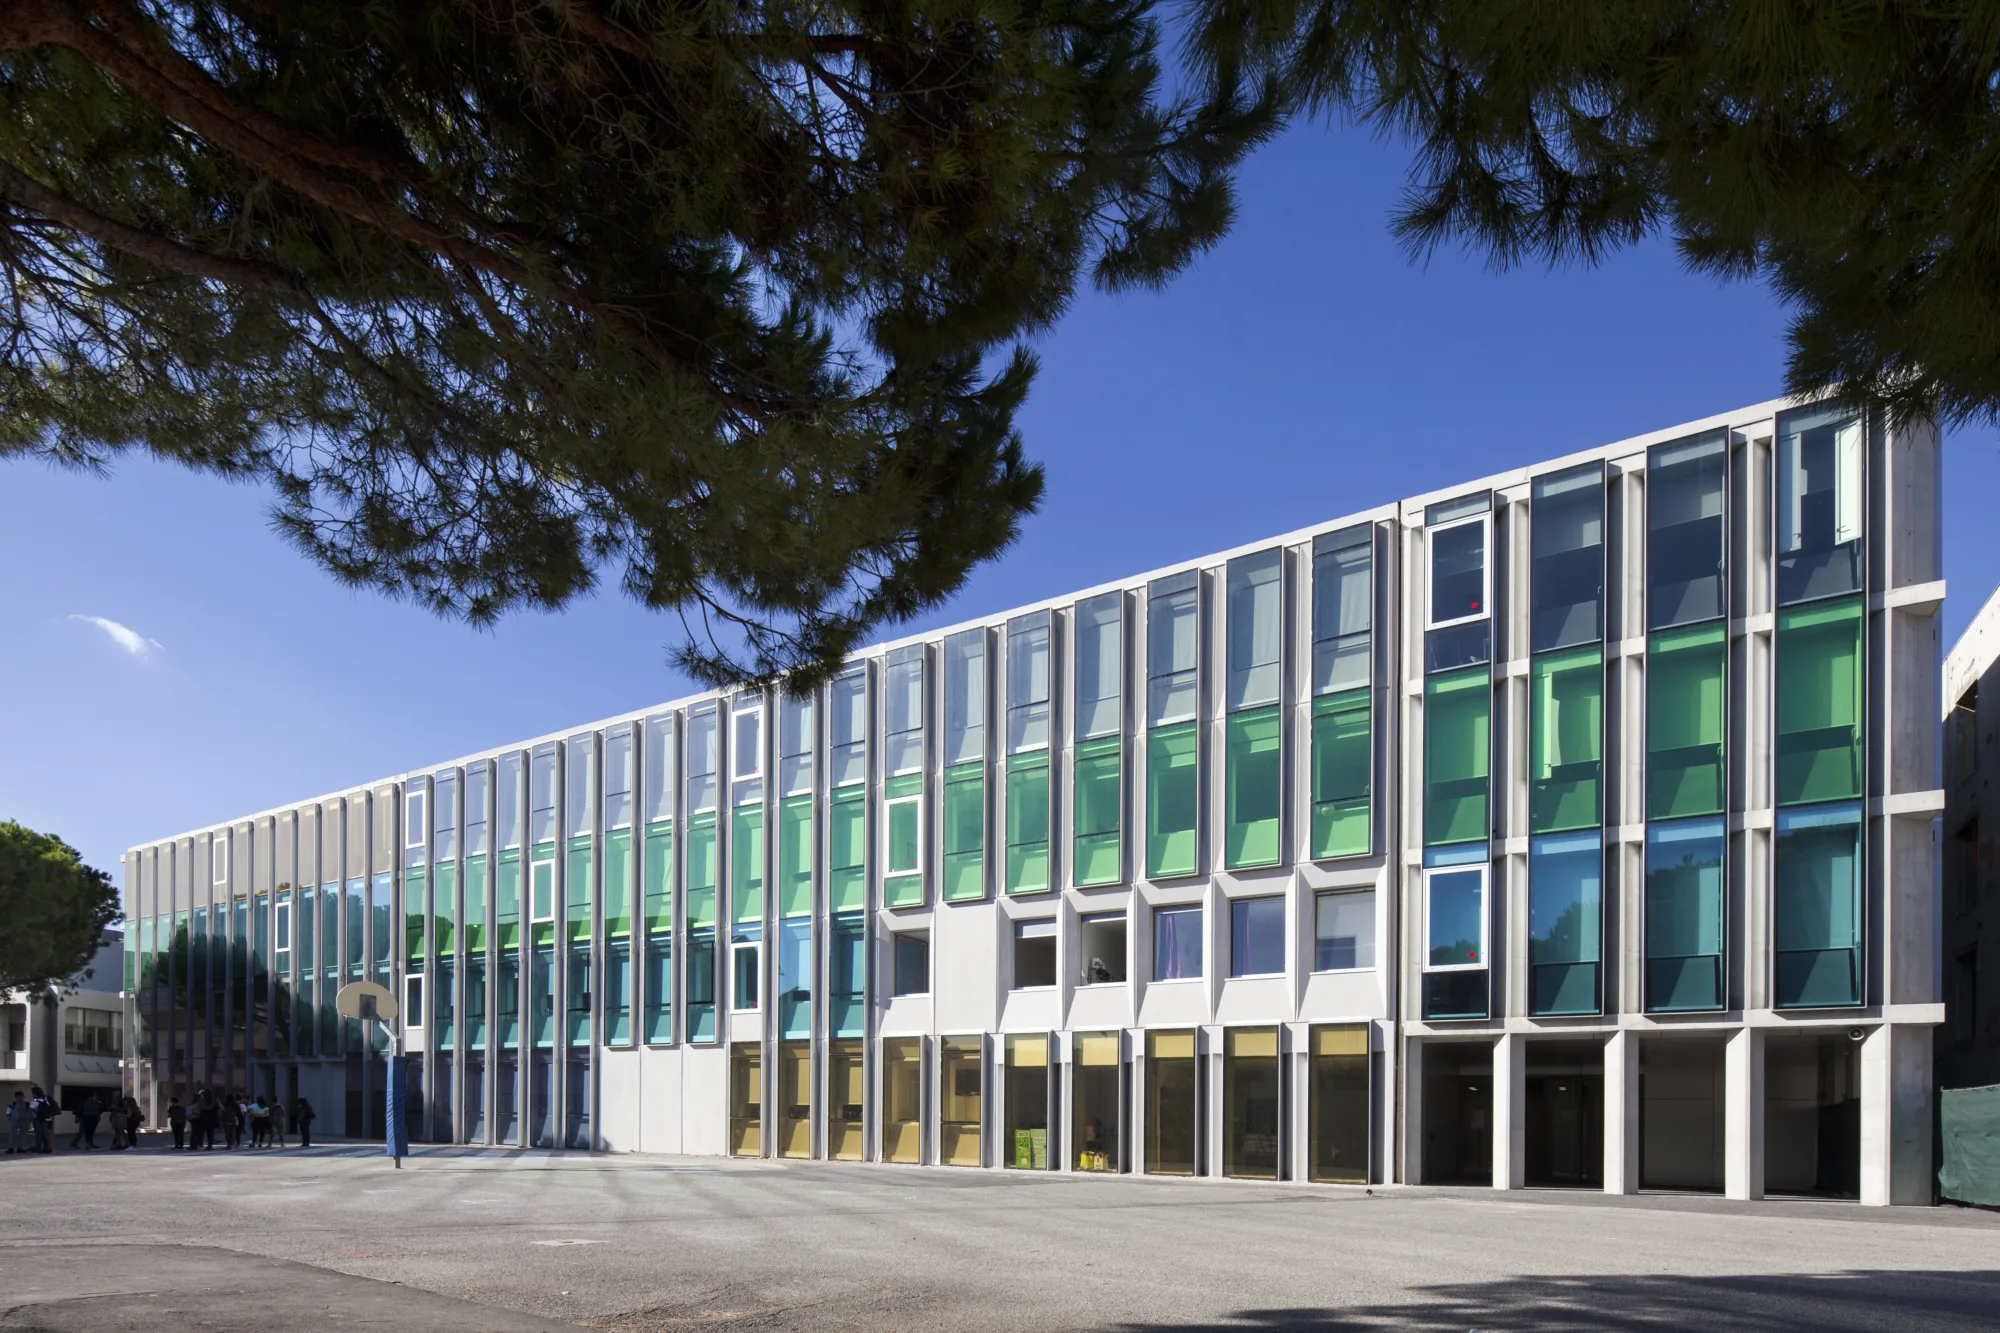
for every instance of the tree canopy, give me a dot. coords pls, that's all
(55, 907)
(501, 295)
(1846, 152)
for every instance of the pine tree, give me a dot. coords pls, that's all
(1844, 151)
(501, 295)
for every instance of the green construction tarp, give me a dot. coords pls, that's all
(1970, 1123)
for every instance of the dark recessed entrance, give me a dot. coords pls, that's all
(1458, 1113)
(1564, 1116)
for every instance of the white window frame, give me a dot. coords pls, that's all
(1485, 569)
(416, 813)
(742, 706)
(1484, 869)
(218, 857)
(923, 836)
(533, 866)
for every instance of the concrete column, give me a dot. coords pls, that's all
(1621, 1113)
(1410, 1168)
(1743, 1115)
(1510, 1104)
(1896, 1115)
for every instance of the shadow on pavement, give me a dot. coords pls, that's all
(1914, 1300)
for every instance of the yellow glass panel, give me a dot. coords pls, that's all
(1025, 1052)
(903, 1099)
(794, 1099)
(1097, 1048)
(1170, 1045)
(1346, 1039)
(746, 1100)
(960, 1100)
(846, 1085)
(1253, 1041)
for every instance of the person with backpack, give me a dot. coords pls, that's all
(44, 1110)
(118, 1123)
(135, 1120)
(260, 1123)
(177, 1121)
(302, 1120)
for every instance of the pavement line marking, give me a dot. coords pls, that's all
(567, 1242)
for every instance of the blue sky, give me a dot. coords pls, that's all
(1303, 370)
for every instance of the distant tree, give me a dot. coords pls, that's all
(500, 295)
(1843, 151)
(54, 907)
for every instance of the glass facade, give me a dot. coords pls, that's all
(905, 828)
(1566, 743)
(964, 763)
(802, 884)
(1253, 759)
(1028, 795)
(1173, 749)
(1098, 755)
(1343, 677)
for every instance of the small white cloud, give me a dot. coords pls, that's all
(131, 640)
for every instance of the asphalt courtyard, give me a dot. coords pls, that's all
(287, 1242)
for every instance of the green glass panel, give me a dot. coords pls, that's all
(444, 908)
(576, 887)
(1457, 755)
(475, 904)
(746, 863)
(416, 902)
(1253, 788)
(701, 869)
(1173, 799)
(847, 849)
(965, 832)
(795, 856)
(1094, 852)
(1342, 774)
(1687, 688)
(1566, 741)
(618, 883)
(659, 876)
(902, 814)
(1819, 701)
(1028, 822)
(507, 900)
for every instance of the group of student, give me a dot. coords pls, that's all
(31, 1122)
(198, 1123)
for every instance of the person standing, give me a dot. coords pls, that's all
(177, 1121)
(44, 1110)
(89, 1111)
(302, 1119)
(278, 1120)
(232, 1121)
(135, 1120)
(260, 1123)
(206, 1118)
(20, 1124)
(118, 1123)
